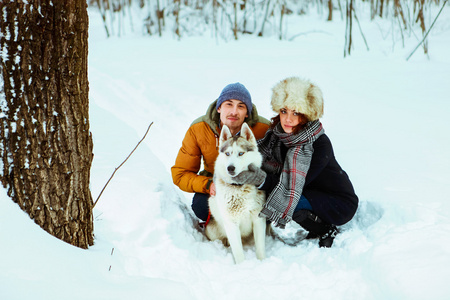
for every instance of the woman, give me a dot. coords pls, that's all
(300, 174)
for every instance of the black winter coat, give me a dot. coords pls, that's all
(327, 186)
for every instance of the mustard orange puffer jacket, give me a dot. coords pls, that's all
(202, 140)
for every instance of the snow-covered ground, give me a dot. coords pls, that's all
(389, 123)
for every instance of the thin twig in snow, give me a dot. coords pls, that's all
(122, 164)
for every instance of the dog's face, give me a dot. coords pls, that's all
(236, 153)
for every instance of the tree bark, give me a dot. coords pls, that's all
(348, 28)
(421, 18)
(45, 142)
(235, 26)
(330, 10)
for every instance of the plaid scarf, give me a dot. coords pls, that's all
(284, 198)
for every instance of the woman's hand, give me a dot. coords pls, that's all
(254, 176)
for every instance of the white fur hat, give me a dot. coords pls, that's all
(300, 95)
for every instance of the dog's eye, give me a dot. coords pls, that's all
(227, 153)
(241, 153)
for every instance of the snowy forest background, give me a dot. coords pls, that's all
(165, 62)
(227, 20)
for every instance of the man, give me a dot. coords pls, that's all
(232, 108)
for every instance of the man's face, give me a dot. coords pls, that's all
(233, 113)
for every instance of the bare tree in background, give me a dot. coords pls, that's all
(45, 142)
(330, 10)
(235, 23)
(420, 4)
(348, 28)
(232, 19)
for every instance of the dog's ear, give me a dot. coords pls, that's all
(247, 133)
(225, 134)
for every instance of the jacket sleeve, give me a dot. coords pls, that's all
(187, 165)
(323, 152)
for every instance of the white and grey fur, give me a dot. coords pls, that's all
(235, 208)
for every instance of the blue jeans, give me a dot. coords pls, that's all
(303, 204)
(201, 208)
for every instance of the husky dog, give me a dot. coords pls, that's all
(235, 208)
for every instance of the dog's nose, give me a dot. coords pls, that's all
(231, 169)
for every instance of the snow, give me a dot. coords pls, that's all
(388, 121)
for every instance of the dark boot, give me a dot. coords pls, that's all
(327, 239)
(316, 227)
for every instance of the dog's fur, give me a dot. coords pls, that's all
(235, 208)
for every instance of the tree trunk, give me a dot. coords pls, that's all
(282, 13)
(348, 28)
(330, 10)
(45, 143)
(421, 18)
(266, 15)
(235, 26)
(160, 17)
(176, 12)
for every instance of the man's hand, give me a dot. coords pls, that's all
(254, 176)
(212, 189)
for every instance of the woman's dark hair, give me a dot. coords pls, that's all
(275, 120)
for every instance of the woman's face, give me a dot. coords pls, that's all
(289, 119)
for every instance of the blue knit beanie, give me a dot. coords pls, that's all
(236, 91)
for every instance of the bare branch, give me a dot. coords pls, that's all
(360, 29)
(425, 36)
(122, 164)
